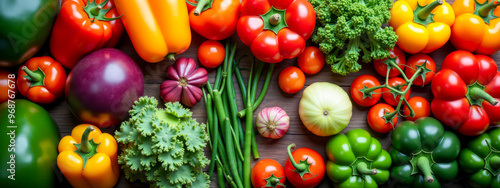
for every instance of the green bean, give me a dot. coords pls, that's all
(248, 141)
(220, 177)
(263, 91)
(218, 79)
(255, 81)
(215, 132)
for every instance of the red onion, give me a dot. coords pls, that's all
(272, 122)
(184, 82)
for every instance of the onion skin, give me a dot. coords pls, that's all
(184, 82)
(272, 122)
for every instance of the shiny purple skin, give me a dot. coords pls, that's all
(103, 86)
(184, 82)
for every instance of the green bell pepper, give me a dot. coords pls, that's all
(423, 153)
(28, 146)
(481, 160)
(355, 159)
(26, 25)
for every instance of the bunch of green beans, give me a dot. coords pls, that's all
(226, 142)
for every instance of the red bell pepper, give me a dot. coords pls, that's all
(466, 92)
(214, 19)
(276, 29)
(83, 27)
(41, 80)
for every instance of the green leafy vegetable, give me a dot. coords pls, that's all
(163, 147)
(348, 28)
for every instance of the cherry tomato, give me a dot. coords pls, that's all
(420, 106)
(376, 118)
(211, 53)
(316, 168)
(291, 80)
(419, 60)
(266, 172)
(4, 86)
(381, 67)
(312, 60)
(396, 83)
(359, 83)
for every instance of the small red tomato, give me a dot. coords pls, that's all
(308, 162)
(398, 84)
(7, 89)
(381, 67)
(420, 106)
(376, 118)
(211, 53)
(311, 60)
(291, 80)
(418, 60)
(267, 173)
(361, 82)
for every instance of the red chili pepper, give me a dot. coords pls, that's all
(214, 19)
(466, 92)
(83, 27)
(276, 29)
(41, 80)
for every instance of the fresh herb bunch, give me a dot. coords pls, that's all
(345, 29)
(164, 147)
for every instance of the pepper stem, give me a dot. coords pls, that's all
(476, 93)
(486, 9)
(424, 166)
(35, 77)
(298, 167)
(275, 19)
(427, 10)
(362, 168)
(495, 162)
(199, 7)
(171, 56)
(85, 144)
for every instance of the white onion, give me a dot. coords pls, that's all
(325, 108)
(272, 122)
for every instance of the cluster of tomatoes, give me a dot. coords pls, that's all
(377, 115)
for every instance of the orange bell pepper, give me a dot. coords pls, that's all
(422, 26)
(477, 26)
(157, 28)
(88, 158)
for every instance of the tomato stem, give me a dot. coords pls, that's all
(427, 10)
(298, 167)
(86, 146)
(477, 93)
(486, 9)
(275, 19)
(424, 166)
(362, 168)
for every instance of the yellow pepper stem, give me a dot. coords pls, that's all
(427, 10)
(486, 9)
(86, 146)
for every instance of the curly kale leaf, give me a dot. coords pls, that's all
(349, 29)
(163, 147)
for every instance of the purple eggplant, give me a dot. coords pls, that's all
(103, 86)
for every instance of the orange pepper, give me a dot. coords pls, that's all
(477, 26)
(88, 158)
(422, 26)
(157, 28)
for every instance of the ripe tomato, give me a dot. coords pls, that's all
(420, 106)
(359, 83)
(381, 67)
(376, 118)
(291, 80)
(211, 53)
(4, 86)
(266, 172)
(311, 60)
(315, 165)
(396, 83)
(419, 60)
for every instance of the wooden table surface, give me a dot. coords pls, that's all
(154, 74)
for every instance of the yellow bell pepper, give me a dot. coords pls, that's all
(157, 28)
(88, 158)
(422, 26)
